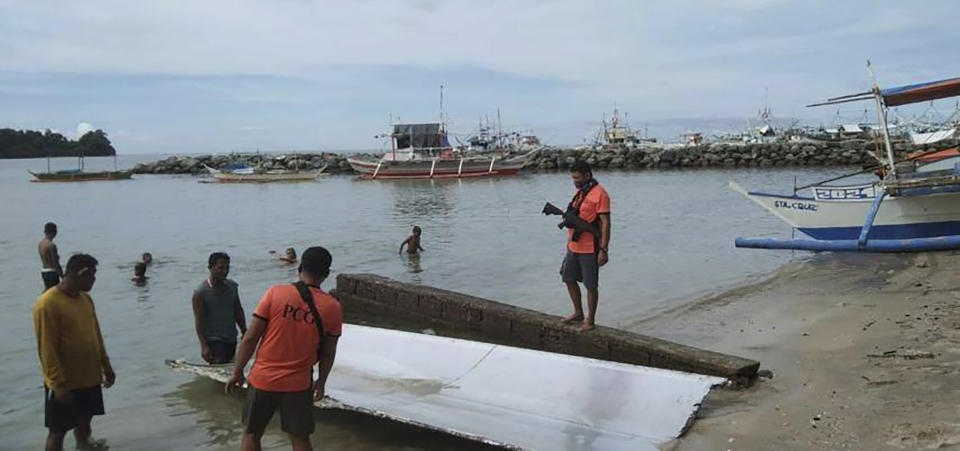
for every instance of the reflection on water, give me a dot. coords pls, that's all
(415, 200)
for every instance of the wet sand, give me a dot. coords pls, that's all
(864, 350)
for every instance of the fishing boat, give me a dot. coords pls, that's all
(249, 175)
(504, 396)
(79, 174)
(423, 151)
(908, 209)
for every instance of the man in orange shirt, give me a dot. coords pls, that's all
(587, 254)
(296, 325)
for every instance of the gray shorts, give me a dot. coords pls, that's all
(580, 268)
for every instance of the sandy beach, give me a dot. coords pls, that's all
(864, 351)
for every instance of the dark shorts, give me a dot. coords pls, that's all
(296, 411)
(222, 351)
(58, 417)
(50, 279)
(581, 268)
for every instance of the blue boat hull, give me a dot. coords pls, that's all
(886, 232)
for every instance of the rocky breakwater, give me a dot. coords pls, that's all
(724, 155)
(335, 163)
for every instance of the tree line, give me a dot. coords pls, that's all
(35, 144)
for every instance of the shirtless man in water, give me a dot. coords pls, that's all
(50, 271)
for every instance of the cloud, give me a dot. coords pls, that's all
(184, 65)
(83, 128)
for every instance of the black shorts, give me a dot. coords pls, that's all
(58, 417)
(222, 351)
(296, 411)
(50, 279)
(581, 268)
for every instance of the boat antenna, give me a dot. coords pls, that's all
(441, 106)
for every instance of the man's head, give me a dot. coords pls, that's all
(146, 258)
(315, 261)
(417, 231)
(580, 172)
(82, 271)
(140, 269)
(219, 265)
(291, 253)
(50, 230)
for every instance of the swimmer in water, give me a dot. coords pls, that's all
(412, 242)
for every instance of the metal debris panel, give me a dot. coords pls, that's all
(514, 397)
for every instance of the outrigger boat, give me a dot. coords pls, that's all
(79, 175)
(423, 151)
(909, 209)
(249, 175)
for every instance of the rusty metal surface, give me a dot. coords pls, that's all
(513, 397)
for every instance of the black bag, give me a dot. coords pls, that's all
(307, 297)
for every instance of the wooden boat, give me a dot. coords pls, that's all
(422, 151)
(905, 211)
(245, 176)
(80, 176)
(500, 395)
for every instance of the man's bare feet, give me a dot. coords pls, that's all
(587, 326)
(573, 318)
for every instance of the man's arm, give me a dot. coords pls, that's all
(404, 243)
(238, 313)
(205, 350)
(46, 325)
(247, 345)
(328, 353)
(109, 377)
(604, 238)
(56, 259)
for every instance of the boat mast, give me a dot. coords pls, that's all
(882, 117)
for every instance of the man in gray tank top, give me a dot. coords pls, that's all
(217, 312)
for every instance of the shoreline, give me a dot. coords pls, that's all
(864, 353)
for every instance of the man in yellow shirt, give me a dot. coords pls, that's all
(72, 356)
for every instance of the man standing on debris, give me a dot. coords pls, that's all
(296, 325)
(588, 253)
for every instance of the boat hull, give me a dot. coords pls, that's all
(899, 218)
(425, 169)
(223, 177)
(42, 177)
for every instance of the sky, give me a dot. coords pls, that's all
(178, 76)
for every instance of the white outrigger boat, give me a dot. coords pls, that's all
(909, 209)
(500, 395)
(249, 175)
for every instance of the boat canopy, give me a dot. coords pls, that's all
(921, 92)
(903, 95)
(420, 136)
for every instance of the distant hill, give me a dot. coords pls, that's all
(34, 144)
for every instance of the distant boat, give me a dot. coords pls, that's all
(422, 151)
(248, 175)
(76, 175)
(80, 175)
